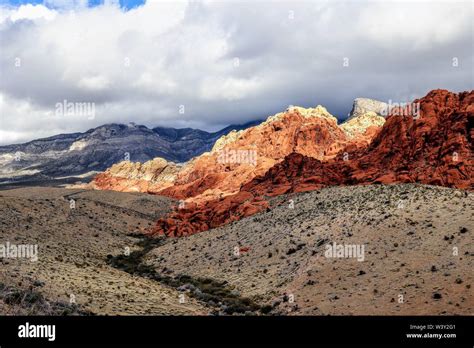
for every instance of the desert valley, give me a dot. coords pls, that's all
(296, 215)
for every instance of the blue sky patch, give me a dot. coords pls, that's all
(127, 4)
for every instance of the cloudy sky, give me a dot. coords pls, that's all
(207, 64)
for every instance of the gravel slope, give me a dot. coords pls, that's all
(408, 232)
(73, 247)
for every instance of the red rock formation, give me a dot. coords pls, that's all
(313, 132)
(127, 176)
(435, 148)
(209, 214)
(240, 156)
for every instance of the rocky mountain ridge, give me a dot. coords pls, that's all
(83, 154)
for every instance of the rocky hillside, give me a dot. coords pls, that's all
(278, 257)
(74, 247)
(81, 154)
(435, 148)
(271, 263)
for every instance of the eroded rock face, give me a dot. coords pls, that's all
(363, 106)
(127, 176)
(360, 126)
(210, 185)
(240, 156)
(435, 149)
(202, 216)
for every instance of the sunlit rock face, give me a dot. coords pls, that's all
(127, 176)
(239, 156)
(434, 148)
(363, 106)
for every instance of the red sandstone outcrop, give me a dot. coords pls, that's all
(127, 176)
(239, 157)
(434, 147)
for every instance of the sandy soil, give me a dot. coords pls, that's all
(73, 245)
(418, 255)
(409, 233)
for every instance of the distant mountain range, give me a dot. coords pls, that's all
(81, 154)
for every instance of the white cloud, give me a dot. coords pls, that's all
(141, 65)
(94, 83)
(228, 88)
(31, 12)
(409, 23)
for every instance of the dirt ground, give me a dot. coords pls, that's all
(418, 252)
(73, 246)
(92, 259)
